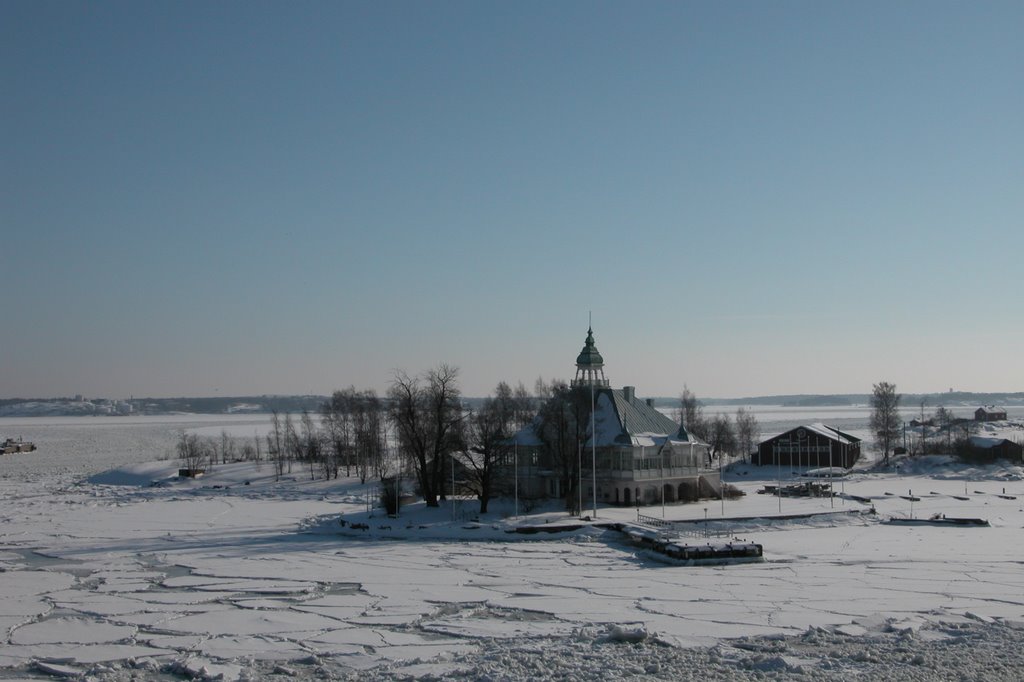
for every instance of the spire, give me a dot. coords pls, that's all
(590, 364)
(589, 357)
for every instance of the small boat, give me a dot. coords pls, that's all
(11, 446)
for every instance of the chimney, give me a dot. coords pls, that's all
(628, 392)
(650, 402)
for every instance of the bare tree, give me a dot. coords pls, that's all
(310, 445)
(355, 426)
(292, 443)
(426, 413)
(336, 414)
(691, 414)
(885, 416)
(367, 432)
(923, 425)
(561, 427)
(748, 432)
(192, 451)
(722, 438)
(489, 430)
(945, 421)
(275, 444)
(227, 447)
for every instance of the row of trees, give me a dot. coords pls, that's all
(726, 436)
(422, 426)
(197, 453)
(435, 429)
(950, 434)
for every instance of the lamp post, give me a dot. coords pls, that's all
(778, 464)
(831, 474)
(721, 481)
(661, 469)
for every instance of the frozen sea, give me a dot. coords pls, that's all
(239, 575)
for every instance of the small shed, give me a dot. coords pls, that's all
(989, 413)
(809, 446)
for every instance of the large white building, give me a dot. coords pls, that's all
(641, 455)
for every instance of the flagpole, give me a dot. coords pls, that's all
(593, 444)
(579, 479)
(515, 450)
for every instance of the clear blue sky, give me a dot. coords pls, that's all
(204, 198)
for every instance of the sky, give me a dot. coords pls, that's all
(749, 198)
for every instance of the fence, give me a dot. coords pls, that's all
(692, 529)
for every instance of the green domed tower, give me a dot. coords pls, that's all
(590, 365)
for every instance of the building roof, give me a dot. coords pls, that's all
(986, 443)
(830, 432)
(623, 419)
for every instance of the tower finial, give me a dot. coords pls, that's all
(590, 364)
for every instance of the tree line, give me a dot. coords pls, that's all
(423, 428)
(939, 433)
(726, 436)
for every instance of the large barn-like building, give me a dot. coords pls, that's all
(810, 446)
(995, 448)
(989, 413)
(641, 455)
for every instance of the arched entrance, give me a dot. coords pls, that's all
(670, 492)
(625, 495)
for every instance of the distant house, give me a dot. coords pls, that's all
(996, 448)
(809, 446)
(989, 414)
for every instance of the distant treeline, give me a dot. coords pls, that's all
(262, 403)
(840, 399)
(297, 403)
(217, 405)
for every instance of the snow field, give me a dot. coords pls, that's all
(102, 574)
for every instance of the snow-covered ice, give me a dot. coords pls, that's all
(243, 576)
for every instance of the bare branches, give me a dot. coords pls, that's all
(691, 414)
(885, 417)
(426, 413)
(193, 451)
(488, 433)
(748, 432)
